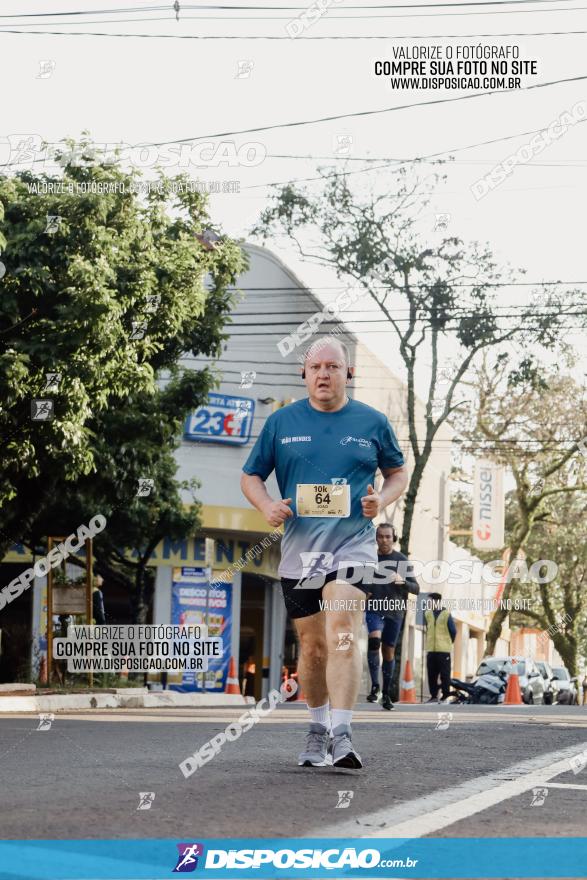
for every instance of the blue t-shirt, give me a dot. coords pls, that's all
(305, 445)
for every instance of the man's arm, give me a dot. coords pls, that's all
(395, 481)
(275, 512)
(412, 585)
(452, 629)
(408, 582)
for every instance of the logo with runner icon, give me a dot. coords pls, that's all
(187, 859)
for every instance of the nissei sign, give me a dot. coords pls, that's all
(488, 506)
(224, 419)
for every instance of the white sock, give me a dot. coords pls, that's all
(341, 716)
(321, 715)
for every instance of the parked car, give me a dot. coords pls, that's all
(568, 692)
(551, 686)
(531, 681)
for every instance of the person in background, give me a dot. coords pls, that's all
(386, 610)
(98, 613)
(60, 624)
(249, 677)
(441, 632)
(584, 685)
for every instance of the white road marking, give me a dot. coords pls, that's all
(430, 813)
(566, 785)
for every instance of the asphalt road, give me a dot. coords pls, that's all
(82, 778)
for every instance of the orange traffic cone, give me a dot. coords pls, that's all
(407, 692)
(231, 679)
(513, 695)
(299, 694)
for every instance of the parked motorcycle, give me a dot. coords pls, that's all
(487, 689)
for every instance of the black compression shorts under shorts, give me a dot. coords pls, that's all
(301, 602)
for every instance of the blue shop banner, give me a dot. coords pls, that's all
(194, 602)
(223, 419)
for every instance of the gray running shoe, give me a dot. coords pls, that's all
(343, 753)
(316, 753)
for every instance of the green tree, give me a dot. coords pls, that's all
(109, 300)
(439, 298)
(560, 606)
(133, 448)
(514, 426)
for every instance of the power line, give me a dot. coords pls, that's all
(465, 307)
(278, 8)
(358, 382)
(255, 18)
(565, 163)
(398, 163)
(250, 18)
(383, 320)
(33, 24)
(385, 286)
(469, 312)
(260, 308)
(363, 113)
(301, 37)
(254, 358)
(384, 5)
(446, 329)
(93, 12)
(348, 173)
(398, 320)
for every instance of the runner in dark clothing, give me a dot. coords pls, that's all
(386, 609)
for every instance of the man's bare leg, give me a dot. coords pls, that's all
(312, 678)
(312, 660)
(327, 671)
(343, 668)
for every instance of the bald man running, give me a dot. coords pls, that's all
(325, 450)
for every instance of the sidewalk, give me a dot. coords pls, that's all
(25, 698)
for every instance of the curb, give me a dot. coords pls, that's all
(125, 698)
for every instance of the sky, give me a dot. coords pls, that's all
(144, 90)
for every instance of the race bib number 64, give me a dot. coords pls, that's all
(326, 499)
